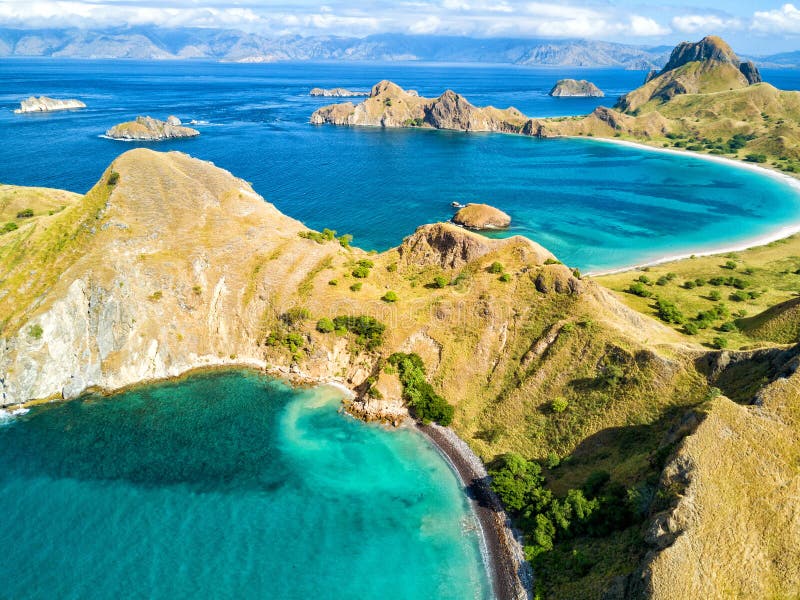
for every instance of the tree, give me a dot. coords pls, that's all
(496, 268)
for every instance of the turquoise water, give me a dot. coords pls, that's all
(227, 485)
(596, 206)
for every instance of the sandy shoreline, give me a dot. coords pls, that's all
(511, 575)
(778, 234)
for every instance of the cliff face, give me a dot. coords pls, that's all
(151, 130)
(45, 104)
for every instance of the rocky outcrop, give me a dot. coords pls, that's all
(576, 88)
(449, 247)
(337, 92)
(147, 129)
(389, 105)
(45, 104)
(751, 72)
(481, 216)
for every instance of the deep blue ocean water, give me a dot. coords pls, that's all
(231, 486)
(597, 206)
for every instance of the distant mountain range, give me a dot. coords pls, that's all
(148, 43)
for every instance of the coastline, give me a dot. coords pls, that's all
(511, 576)
(778, 234)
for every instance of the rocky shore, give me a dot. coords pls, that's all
(481, 216)
(45, 104)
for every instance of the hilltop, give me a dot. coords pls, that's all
(169, 263)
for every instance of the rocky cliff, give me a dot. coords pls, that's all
(147, 129)
(45, 104)
(576, 88)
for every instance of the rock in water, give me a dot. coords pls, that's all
(481, 216)
(45, 104)
(576, 88)
(336, 93)
(147, 129)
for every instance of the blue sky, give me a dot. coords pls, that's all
(753, 27)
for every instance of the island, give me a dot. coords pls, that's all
(147, 129)
(575, 88)
(481, 216)
(45, 104)
(336, 93)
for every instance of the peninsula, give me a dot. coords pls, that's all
(45, 104)
(147, 129)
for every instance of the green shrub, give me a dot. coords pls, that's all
(325, 325)
(756, 158)
(505, 278)
(690, 328)
(668, 312)
(25, 214)
(729, 264)
(440, 281)
(740, 296)
(295, 315)
(389, 296)
(552, 261)
(730, 326)
(639, 289)
(425, 403)
(496, 268)
(10, 226)
(689, 285)
(361, 272)
(392, 267)
(559, 405)
(720, 343)
(35, 331)
(333, 282)
(714, 295)
(368, 330)
(113, 178)
(345, 240)
(356, 287)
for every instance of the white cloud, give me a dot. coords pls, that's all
(646, 27)
(519, 18)
(785, 19)
(705, 24)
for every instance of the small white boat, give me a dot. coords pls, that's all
(456, 204)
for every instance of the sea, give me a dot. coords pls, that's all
(597, 206)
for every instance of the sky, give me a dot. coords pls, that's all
(751, 26)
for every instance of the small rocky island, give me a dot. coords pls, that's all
(336, 93)
(45, 104)
(575, 88)
(481, 216)
(147, 129)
